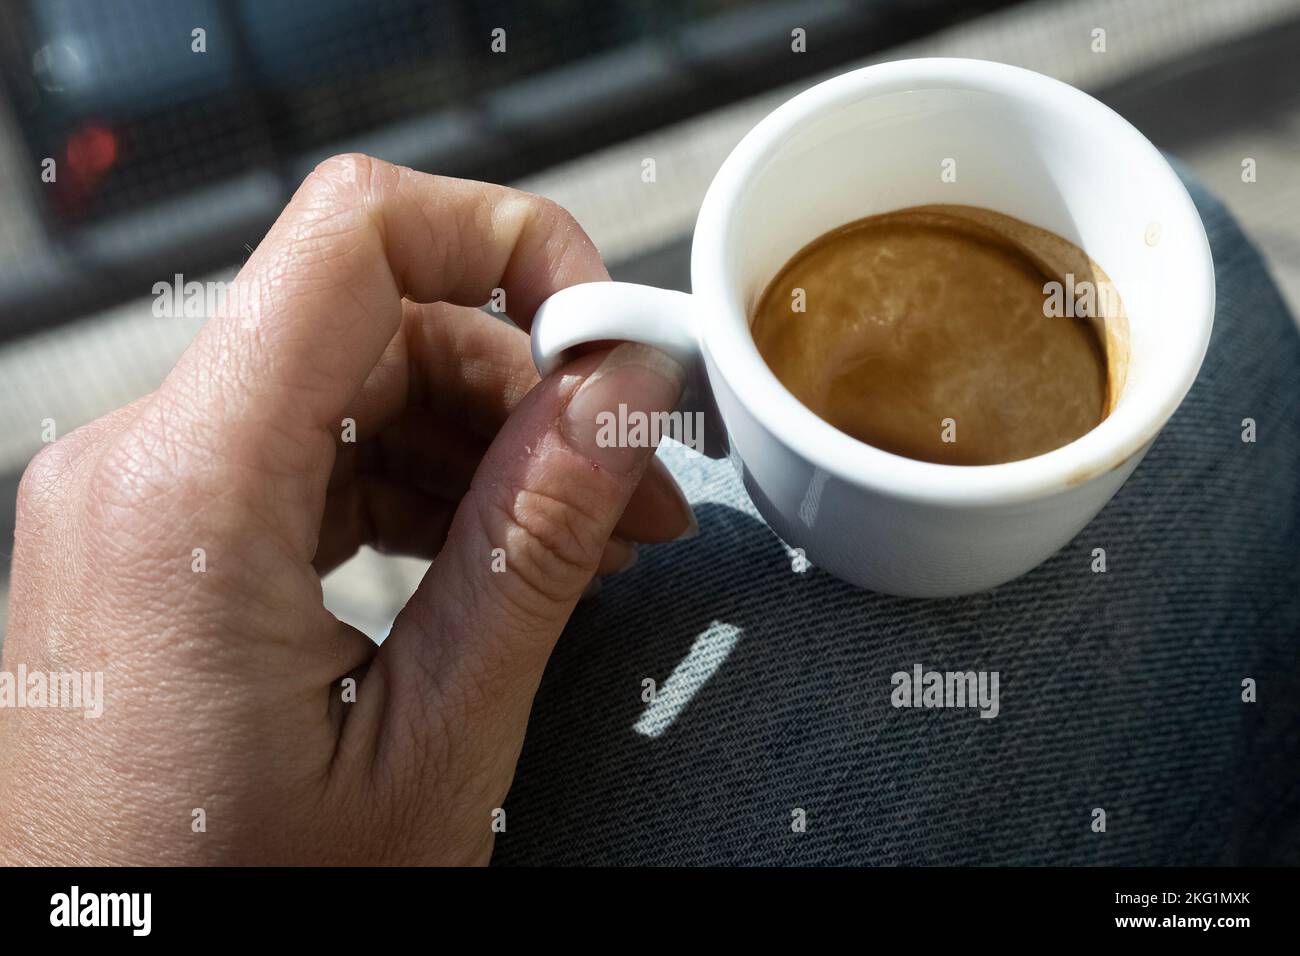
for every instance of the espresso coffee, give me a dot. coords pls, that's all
(936, 333)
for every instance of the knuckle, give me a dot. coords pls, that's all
(154, 484)
(553, 214)
(337, 206)
(51, 478)
(139, 466)
(56, 479)
(552, 544)
(43, 481)
(348, 181)
(559, 218)
(561, 224)
(347, 170)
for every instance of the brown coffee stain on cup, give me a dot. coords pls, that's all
(930, 323)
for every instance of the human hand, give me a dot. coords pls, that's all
(225, 688)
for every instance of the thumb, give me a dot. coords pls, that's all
(528, 536)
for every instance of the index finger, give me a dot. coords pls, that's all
(320, 298)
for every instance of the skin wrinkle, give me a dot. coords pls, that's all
(182, 414)
(418, 743)
(303, 391)
(538, 533)
(557, 443)
(223, 683)
(179, 569)
(350, 722)
(183, 475)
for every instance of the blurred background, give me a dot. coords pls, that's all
(179, 128)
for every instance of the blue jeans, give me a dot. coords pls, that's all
(773, 737)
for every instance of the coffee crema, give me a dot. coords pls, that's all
(926, 332)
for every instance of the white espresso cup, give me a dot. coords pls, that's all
(877, 140)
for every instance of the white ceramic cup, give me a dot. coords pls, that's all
(869, 142)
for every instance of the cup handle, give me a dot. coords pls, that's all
(662, 318)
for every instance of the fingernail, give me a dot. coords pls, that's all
(620, 554)
(685, 512)
(670, 501)
(610, 418)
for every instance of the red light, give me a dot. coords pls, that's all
(91, 151)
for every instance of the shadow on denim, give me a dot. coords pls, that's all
(1119, 690)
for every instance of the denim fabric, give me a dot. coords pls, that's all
(1120, 690)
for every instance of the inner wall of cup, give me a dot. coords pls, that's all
(1082, 174)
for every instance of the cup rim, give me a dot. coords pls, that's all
(1123, 434)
